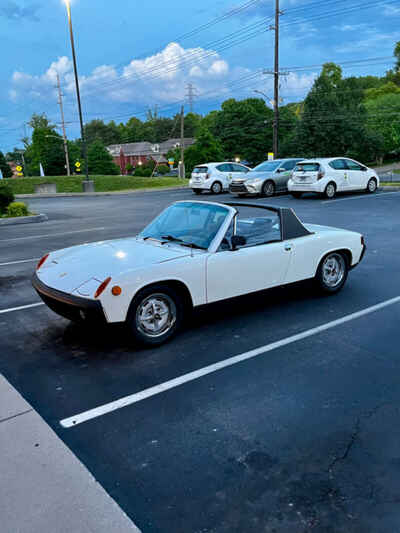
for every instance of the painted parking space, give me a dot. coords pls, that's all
(213, 443)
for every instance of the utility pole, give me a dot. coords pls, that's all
(60, 102)
(276, 81)
(191, 95)
(182, 161)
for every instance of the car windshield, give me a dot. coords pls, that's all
(192, 224)
(267, 166)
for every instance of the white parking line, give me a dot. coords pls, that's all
(50, 235)
(21, 308)
(363, 197)
(19, 262)
(191, 376)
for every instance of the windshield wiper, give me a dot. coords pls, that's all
(182, 242)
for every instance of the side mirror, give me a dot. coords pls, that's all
(364, 169)
(237, 240)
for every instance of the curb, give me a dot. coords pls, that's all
(107, 193)
(23, 220)
(389, 188)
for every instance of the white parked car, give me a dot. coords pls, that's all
(328, 176)
(215, 177)
(193, 253)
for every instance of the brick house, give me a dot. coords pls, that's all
(141, 152)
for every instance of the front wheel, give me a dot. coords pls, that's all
(155, 315)
(268, 189)
(332, 272)
(372, 186)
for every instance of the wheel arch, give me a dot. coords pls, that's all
(179, 286)
(345, 251)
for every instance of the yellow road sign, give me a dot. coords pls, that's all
(19, 174)
(77, 164)
(18, 168)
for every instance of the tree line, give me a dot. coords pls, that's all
(353, 116)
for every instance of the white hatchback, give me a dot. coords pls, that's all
(328, 176)
(215, 177)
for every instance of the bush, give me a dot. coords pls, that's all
(17, 209)
(129, 168)
(163, 169)
(6, 197)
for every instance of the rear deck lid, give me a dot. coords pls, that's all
(306, 172)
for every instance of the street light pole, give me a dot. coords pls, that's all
(78, 95)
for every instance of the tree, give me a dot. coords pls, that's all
(5, 167)
(100, 161)
(244, 129)
(376, 92)
(206, 149)
(383, 114)
(106, 133)
(46, 148)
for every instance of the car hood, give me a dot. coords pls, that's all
(254, 175)
(68, 269)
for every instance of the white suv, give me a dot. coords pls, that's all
(215, 177)
(328, 176)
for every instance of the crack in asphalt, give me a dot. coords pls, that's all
(355, 434)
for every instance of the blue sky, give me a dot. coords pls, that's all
(132, 55)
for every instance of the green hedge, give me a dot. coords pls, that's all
(17, 209)
(102, 183)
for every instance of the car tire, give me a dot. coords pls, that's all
(372, 185)
(197, 191)
(268, 189)
(155, 315)
(332, 272)
(296, 194)
(330, 190)
(216, 187)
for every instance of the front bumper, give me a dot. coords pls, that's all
(361, 257)
(238, 188)
(72, 307)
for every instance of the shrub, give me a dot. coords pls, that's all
(6, 197)
(129, 168)
(17, 209)
(163, 169)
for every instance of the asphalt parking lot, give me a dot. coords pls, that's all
(304, 436)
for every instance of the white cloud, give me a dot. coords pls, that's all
(161, 78)
(390, 11)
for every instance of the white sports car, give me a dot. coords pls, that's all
(193, 253)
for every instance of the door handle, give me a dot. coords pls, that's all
(288, 247)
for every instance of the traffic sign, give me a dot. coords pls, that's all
(18, 168)
(77, 164)
(19, 174)
(270, 156)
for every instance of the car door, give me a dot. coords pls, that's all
(225, 174)
(250, 268)
(340, 174)
(357, 177)
(283, 173)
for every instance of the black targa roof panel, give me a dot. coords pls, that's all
(291, 226)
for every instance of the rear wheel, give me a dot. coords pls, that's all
(216, 187)
(296, 194)
(330, 190)
(372, 185)
(155, 315)
(332, 272)
(268, 189)
(197, 191)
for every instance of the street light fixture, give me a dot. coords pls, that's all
(270, 100)
(88, 186)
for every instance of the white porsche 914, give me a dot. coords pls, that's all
(193, 253)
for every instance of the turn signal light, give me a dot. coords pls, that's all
(116, 290)
(42, 261)
(102, 287)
